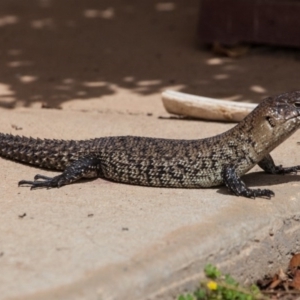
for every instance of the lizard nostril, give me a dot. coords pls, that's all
(297, 104)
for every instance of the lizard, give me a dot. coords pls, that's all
(171, 163)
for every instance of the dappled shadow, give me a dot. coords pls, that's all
(53, 51)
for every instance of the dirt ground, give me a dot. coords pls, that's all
(117, 56)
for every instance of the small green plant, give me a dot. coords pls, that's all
(222, 287)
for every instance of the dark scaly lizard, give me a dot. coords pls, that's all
(207, 162)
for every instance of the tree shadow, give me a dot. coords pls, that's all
(54, 51)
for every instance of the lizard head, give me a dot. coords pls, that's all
(275, 119)
(282, 112)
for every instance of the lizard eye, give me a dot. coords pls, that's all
(271, 120)
(297, 104)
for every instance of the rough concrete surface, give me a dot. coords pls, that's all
(105, 64)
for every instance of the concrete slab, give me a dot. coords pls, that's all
(103, 240)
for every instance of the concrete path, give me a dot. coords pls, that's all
(103, 240)
(105, 67)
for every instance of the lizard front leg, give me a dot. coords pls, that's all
(85, 167)
(235, 185)
(268, 165)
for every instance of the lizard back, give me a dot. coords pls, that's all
(130, 159)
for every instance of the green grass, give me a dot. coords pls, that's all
(222, 287)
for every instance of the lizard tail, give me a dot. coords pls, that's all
(45, 153)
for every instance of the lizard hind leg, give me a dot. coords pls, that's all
(85, 167)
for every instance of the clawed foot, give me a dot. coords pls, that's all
(84, 167)
(239, 188)
(45, 182)
(288, 170)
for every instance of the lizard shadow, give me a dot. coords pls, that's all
(262, 179)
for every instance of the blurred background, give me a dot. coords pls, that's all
(117, 55)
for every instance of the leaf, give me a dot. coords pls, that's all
(294, 263)
(186, 297)
(255, 289)
(275, 283)
(212, 271)
(229, 280)
(200, 294)
(296, 280)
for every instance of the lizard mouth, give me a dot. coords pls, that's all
(271, 121)
(295, 116)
